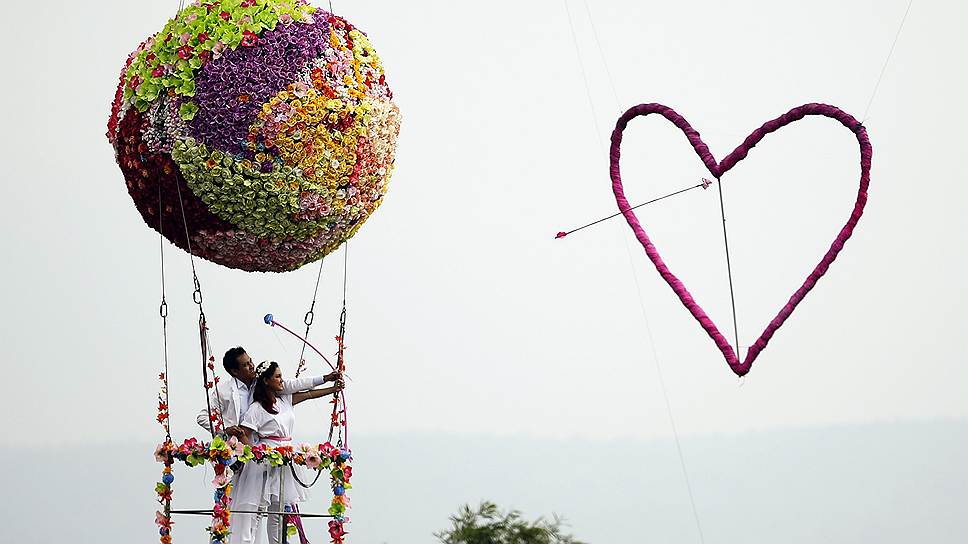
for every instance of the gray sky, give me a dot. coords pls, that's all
(466, 318)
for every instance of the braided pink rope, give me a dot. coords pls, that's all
(717, 169)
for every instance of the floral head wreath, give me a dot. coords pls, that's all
(263, 366)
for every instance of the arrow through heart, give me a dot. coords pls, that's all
(718, 169)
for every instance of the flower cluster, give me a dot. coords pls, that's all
(271, 118)
(214, 412)
(163, 414)
(163, 490)
(340, 473)
(220, 515)
(224, 453)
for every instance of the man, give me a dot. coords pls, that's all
(234, 396)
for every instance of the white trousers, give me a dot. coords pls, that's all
(272, 525)
(247, 529)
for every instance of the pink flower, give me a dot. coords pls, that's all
(162, 521)
(221, 480)
(285, 18)
(328, 450)
(313, 460)
(161, 452)
(249, 38)
(184, 39)
(347, 473)
(218, 49)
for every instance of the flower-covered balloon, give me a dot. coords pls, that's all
(269, 122)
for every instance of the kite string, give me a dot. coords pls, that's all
(655, 356)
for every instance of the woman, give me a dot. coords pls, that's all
(271, 419)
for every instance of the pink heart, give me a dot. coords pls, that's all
(717, 169)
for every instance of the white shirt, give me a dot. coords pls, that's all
(234, 397)
(278, 425)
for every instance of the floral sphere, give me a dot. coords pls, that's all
(260, 134)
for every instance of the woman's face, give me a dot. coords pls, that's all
(275, 381)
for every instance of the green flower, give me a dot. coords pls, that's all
(188, 108)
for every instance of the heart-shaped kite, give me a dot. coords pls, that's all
(717, 169)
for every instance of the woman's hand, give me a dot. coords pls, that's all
(317, 393)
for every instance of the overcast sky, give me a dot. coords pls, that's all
(466, 317)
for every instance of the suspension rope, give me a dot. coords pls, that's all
(886, 60)
(655, 356)
(163, 312)
(334, 422)
(308, 320)
(204, 344)
(729, 268)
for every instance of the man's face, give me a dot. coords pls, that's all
(246, 371)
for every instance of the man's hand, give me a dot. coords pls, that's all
(235, 431)
(331, 377)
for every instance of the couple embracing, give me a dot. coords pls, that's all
(257, 408)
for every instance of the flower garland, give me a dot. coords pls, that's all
(163, 489)
(224, 453)
(274, 120)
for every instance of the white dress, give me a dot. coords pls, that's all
(258, 484)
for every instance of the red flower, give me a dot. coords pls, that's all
(203, 37)
(158, 72)
(225, 15)
(347, 473)
(186, 52)
(248, 3)
(249, 38)
(135, 81)
(205, 56)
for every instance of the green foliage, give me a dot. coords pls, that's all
(488, 525)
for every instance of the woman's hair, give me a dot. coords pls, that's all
(262, 394)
